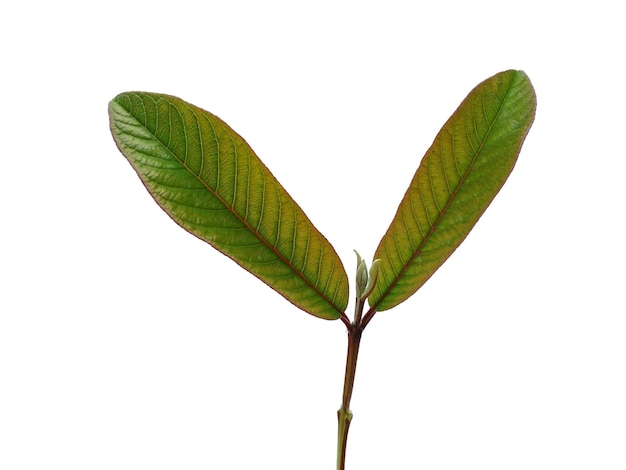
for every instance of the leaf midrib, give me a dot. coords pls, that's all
(444, 211)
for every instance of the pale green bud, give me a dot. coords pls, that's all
(361, 275)
(365, 282)
(373, 277)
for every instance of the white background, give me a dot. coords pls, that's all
(126, 343)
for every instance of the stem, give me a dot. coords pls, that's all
(344, 414)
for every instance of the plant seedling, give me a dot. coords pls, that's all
(210, 182)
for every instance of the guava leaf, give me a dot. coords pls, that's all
(210, 182)
(467, 164)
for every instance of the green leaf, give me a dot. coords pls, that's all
(467, 164)
(210, 182)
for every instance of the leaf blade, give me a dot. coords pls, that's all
(461, 173)
(210, 182)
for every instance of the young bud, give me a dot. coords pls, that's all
(361, 275)
(373, 277)
(365, 282)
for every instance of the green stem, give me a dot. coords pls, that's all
(344, 414)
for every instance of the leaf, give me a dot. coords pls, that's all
(467, 164)
(211, 183)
